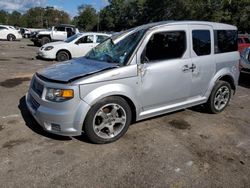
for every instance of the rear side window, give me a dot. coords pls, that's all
(201, 42)
(225, 41)
(166, 45)
(2, 28)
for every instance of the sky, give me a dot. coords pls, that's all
(70, 6)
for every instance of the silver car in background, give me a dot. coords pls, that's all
(143, 72)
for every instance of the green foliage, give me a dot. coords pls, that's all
(87, 19)
(37, 17)
(123, 14)
(3, 17)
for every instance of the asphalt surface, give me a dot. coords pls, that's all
(188, 148)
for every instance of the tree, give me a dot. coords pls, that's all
(14, 18)
(87, 19)
(3, 17)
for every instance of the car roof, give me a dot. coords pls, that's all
(65, 25)
(94, 33)
(8, 26)
(215, 25)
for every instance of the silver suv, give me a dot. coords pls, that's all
(143, 72)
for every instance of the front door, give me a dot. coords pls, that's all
(165, 70)
(59, 33)
(83, 46)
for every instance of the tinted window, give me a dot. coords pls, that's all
(225, 41)
(60, 28)
(2, 28)
(166, 45)
(201, 42)
(100, 38)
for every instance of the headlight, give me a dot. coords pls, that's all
(48, 48)
(59, 95)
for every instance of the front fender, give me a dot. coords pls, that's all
(95, 95)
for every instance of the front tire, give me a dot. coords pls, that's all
(62, 56)
(107, 120)
(219, 98)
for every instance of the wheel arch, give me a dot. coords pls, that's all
(223, 75)
(229, 79)
(11, 34)
(119, 91)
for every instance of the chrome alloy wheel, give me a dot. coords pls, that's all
(222, 97)
(109, 121)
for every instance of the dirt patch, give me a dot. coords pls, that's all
(24, 58)
(4, 59)
(10, 83)
(59, 152)
(12, 143)
(1, 127)
(180, 124)
(12, 122)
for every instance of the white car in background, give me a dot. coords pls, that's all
(75, 46)
(9, 33)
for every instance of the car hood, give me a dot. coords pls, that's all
(73, 69)
(55, 43)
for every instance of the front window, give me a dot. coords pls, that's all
(86, 39)
(70, 39)
(117, 49)
(166, 45)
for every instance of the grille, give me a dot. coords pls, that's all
(34, 104)
(37, 87)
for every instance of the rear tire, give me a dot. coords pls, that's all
(45, 40)
(219, 98)
(107, 120)
(62, 56)
(11, 37)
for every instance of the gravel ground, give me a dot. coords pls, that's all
(188, 148)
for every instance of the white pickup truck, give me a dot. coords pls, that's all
(55, 33)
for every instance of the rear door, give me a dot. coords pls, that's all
(202, 55)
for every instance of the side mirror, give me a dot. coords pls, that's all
(77, 42)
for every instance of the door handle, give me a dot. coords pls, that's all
(185, 68)
(193, 67)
